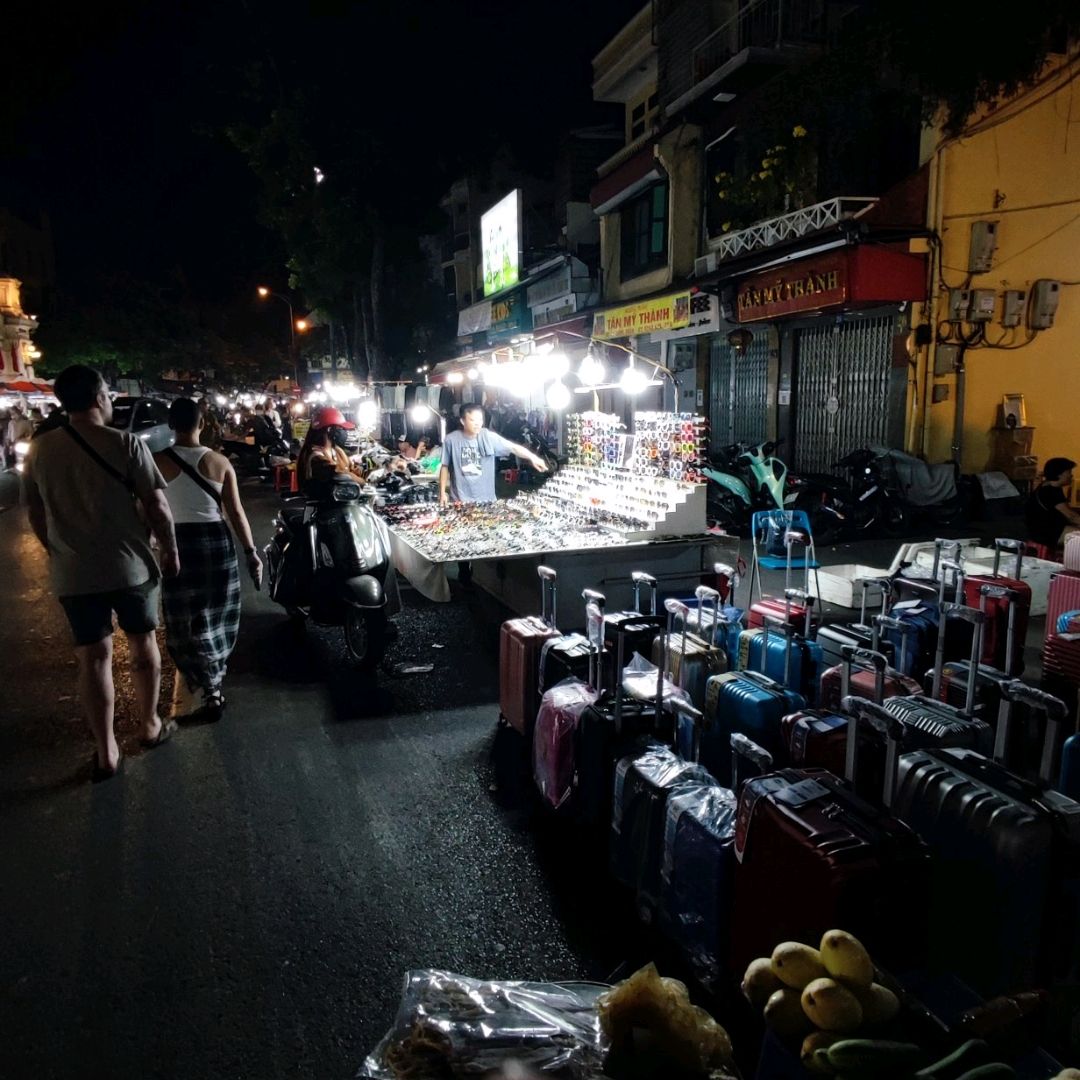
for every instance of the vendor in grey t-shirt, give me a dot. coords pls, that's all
(468, 462)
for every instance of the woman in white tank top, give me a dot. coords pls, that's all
(202, 603)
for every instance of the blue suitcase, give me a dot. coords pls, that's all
(791, 659)
(747, 703)
(643, 785)
(1004, 907)
(698, 866)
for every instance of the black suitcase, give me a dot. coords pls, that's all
(861, 634)
(638, 627)
(1003, 898)
(570, 656)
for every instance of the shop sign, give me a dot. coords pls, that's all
(550, 287)
(806, 286)
(475, 319)
(645, 317)
(509, 315)
(704, 319)
(500, 233)
(554, 311)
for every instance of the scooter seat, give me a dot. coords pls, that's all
(293, 516)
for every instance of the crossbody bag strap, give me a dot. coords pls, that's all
(114, 472)
(195, 475)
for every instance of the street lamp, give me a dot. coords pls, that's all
(264, 292)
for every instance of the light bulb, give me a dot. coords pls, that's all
(558, 364)
(367, 414)
(591, 371)
(420, 414)
(558, 396)
(633, 381)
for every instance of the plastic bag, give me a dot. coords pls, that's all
(640, 679)
(554, 739)
(451, 1025)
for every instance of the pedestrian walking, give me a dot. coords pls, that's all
(202, 603)
(84, 486)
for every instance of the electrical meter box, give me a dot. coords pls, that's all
(1044, 302)
(983, 245)
(1012, 307)
(982, 305)
(959, 302)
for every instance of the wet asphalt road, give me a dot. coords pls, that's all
(243, 901)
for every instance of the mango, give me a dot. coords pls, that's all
(879, 1003)
(796, 964)
(817, 1040)
(831, 1006)
(785, 1015)
(845, 958)
(760, 982)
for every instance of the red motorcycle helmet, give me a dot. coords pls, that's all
(330, 417)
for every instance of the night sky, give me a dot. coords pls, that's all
(112, 114)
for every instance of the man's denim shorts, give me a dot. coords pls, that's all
(91, 614)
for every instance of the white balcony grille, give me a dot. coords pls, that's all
(810, 219)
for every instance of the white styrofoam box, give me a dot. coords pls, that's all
(840, 584)
(980, 561)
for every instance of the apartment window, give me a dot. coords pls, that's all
(641, 116)
(644, 232)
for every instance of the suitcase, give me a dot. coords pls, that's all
(555, 749)
(643, 784)
(811, 855)
(520, 644)
(866, 673)
(1071, 557)
(612, 727)
(698, 866)
(815, 737)
(1002, 900)
(692, 659)
(570, 656)
(1003, 610)
(860, 635)
(638, 627)
(794, 609)
(911, 582)
(747, 703)
(722, 625)
(791, 659)
(1062, 595)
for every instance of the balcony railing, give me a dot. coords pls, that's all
(763, 24)
(810, 219)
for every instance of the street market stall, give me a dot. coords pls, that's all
(625, 500)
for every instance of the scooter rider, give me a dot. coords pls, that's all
(323, 451)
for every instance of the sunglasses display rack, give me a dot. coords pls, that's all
(595, 439)
(670, 444)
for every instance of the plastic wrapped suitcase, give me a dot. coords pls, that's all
(692, 660)
(639, 627)
(863, 671)
(643, 784)
(748, 703)
(698, 865)
(859, 634)
(555, 746)
(812, 855)
(1001, 611)
(520, 645)
(1008, 848)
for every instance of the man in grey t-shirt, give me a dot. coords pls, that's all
(468, 461)
(83, 484)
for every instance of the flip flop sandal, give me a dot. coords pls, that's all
(168, 729)
(99, 774)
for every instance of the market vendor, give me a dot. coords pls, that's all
(468, 459)
(324, 445)
(1050, 518)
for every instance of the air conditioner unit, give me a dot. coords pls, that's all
(706, 264)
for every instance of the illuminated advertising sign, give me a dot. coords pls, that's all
(500, 239)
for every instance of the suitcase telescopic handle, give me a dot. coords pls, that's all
(1039, 703)
(594, 634)
(977, 619)
(548, 589)
(697, 721)
(941, 546)
(867, 660)
(639, 578)
(1011, 547)
(905, 630)
(957, 568)
(887, 725)
(788, 631)
(706, 595)
(591, 596)
(743, 748)
(676, 609)
(802, 596)
(868, 583)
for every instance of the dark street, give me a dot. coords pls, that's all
(244, 901)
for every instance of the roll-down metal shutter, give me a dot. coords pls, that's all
(843, 389)
(738, 392)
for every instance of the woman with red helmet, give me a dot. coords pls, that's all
(324, 447)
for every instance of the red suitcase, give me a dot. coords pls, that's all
(813, 856)
(520, 645)
(794, 610)
(1063, 595)
(996, 627)
(867, 671)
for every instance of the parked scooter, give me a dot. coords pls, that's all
(743, 479)
(329, 560)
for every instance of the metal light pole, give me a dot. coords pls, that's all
(264, 292)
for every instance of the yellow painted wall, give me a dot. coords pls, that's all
(1017, 165)
(679, 152)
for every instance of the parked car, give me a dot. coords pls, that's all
(145, 417)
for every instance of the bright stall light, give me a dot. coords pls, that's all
(558, 395)
(474, 373)
(22, 447)
(219, 400)
(544, 347)
(341, 392)
(367, 414)
(420, 414)
(236, 418)
(455, 378)
(633, 380)
(558, 364)
(298, 409)
(591, 372)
